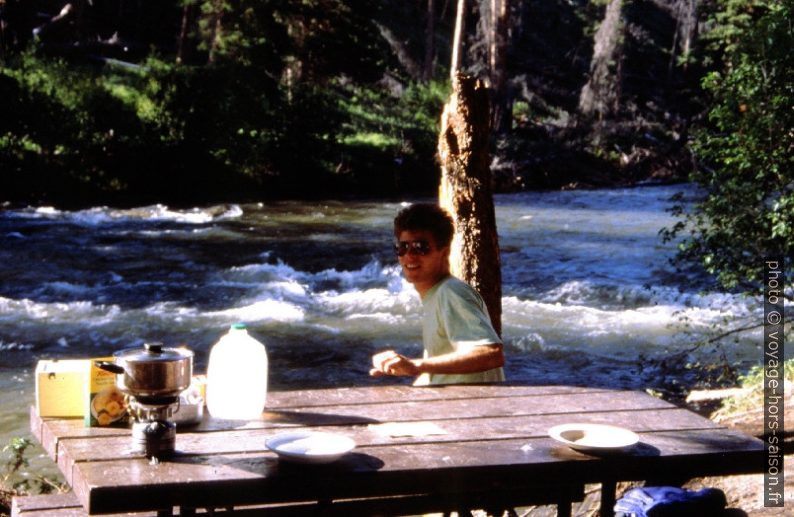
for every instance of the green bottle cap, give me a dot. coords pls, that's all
(239, 326)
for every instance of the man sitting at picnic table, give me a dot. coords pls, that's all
(460, 344)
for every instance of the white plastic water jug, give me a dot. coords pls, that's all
(237, 376)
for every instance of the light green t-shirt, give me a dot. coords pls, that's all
(456, 318)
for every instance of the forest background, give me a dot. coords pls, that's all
(184, 102)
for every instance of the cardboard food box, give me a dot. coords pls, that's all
(60, 387)
(104, 403)
(199, 383)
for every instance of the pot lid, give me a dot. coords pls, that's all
(153, 352)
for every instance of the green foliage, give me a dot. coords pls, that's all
(244, 32)
(729, 23)
(374, 110)
(63, 126)
(16, 451)
(166, 132)
(391, 137)
(15, 477)
(753, 384)
(745, 151)
(258, 99)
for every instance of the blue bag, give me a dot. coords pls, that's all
(668, 501)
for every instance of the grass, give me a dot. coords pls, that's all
(753, 397)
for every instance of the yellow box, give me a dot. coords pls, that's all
(200, 383)
(60, 387)
(104, 403)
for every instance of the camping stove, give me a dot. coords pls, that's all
(152, 378)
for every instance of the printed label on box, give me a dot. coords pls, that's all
(106, 405)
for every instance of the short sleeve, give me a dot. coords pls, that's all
(465, 318)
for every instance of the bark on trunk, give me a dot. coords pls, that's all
(497, 64)
(457, 39)
(600, 96)
(466, 192)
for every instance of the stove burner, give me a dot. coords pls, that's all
(155, 439)
(155, 400)
(152, 432)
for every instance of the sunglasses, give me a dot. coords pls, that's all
(413, 247)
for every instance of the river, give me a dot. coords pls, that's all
(588, 293)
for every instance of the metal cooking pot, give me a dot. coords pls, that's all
(152, 371)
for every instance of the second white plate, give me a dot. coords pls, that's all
(593, 437)
(310, 447)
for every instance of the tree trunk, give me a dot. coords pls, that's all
(497, 64)
(600, 96)
(457, 39)
(184, 45)
(217, 32)
(466, 192)
(430, 51)
(401, 52)
(686, 26)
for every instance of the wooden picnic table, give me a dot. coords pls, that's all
(488, 448)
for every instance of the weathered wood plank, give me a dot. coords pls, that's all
(32, 503)
(406, 468)
(35, 423)
(388, 410)
(497, 428)
(391, 393)
(49, 431)
(410, 410)
(422, 504)
(303, 400)
(57, 505)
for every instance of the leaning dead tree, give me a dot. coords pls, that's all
(600, 97)
(466, 191)
(498, 43)
(685, 13)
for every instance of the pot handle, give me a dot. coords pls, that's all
(109, 367)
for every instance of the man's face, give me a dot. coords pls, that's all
(422, 262)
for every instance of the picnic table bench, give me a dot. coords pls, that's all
(487, 447)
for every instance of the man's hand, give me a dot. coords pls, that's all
(392, 363)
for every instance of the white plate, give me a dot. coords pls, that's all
(306, 447)
(594, 437)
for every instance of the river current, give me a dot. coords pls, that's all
(588, 292)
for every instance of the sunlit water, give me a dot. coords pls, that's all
(587, 288)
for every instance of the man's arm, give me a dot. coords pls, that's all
(472, 360)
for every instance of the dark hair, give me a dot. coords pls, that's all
(426, 217)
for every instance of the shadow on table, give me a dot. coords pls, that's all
(271, 465)
(639, 449)
(720, 438)
(316, 419)
(350, 462)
